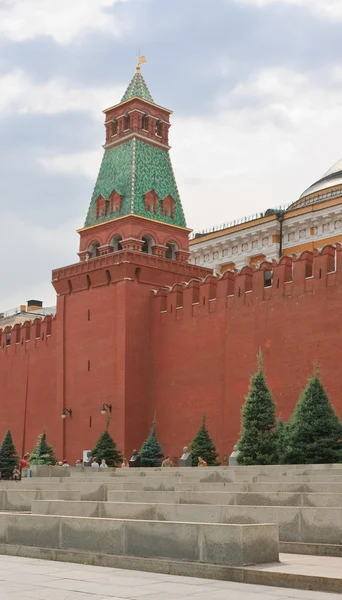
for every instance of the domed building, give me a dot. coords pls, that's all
(329, 186)
(312, 221)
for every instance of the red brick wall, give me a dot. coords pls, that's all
(27, 387)
(182, 352)
(203, 353)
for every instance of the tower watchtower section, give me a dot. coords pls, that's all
(135, 204)
(134, 239)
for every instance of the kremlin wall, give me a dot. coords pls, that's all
(142, 328)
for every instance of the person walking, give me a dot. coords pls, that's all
(103, 464)
(167, 462)
(95, 464)
(201, 462)
(124, 463)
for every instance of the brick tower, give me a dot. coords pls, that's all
(134, 240)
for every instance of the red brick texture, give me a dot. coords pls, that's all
(146, 334)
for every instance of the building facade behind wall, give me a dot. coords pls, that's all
(142, 329)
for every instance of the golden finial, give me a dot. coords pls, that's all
(141, 61)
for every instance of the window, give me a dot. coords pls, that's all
(94, 250)
(115, 200)
(171, 251)
(151, 201)
(144, 124)
(168, 206)
(148, 244)
(159, 128)
(114, 127)
(116, 243)
(308, 270)
(127, 122)
(101, 207)
(8, 339)
(268, 278)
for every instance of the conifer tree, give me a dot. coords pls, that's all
(314, 431)
(151, 451)
(202, 445)
(106, 449)
(258, 442)
(8, 456)
(43, 453)
(281, 435)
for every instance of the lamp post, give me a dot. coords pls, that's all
(105, 408)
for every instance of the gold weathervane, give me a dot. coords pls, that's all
(141, 61)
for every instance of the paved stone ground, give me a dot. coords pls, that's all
(32, 579)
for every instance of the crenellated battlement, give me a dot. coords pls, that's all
(292, 276)
(27, 333)
(114, 267)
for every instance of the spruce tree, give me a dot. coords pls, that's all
(106, 449)
(281, 435)
(151, 451)
(258, 442)
(8, 456)
(314, 431)
(43, 453)
(202, 445)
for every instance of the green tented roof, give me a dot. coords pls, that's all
(132, 169)
(137, 89)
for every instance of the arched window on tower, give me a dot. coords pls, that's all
(170, 253)
(144, 124)
(148, 244)
(116, 243)
(94, 250)
(127, 122)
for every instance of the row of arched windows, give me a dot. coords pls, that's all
(114, 128)
(172, 248)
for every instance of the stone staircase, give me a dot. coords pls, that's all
(213, 522)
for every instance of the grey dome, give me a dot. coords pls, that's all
(331, 178)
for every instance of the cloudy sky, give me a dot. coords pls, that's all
(255, 86)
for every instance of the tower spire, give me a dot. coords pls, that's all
(137, 87)
(136, 181)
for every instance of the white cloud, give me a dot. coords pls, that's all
(83, 163)
(331, 9)
(271, 137)
(44, 250)
(63, 20)
(21, 95)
